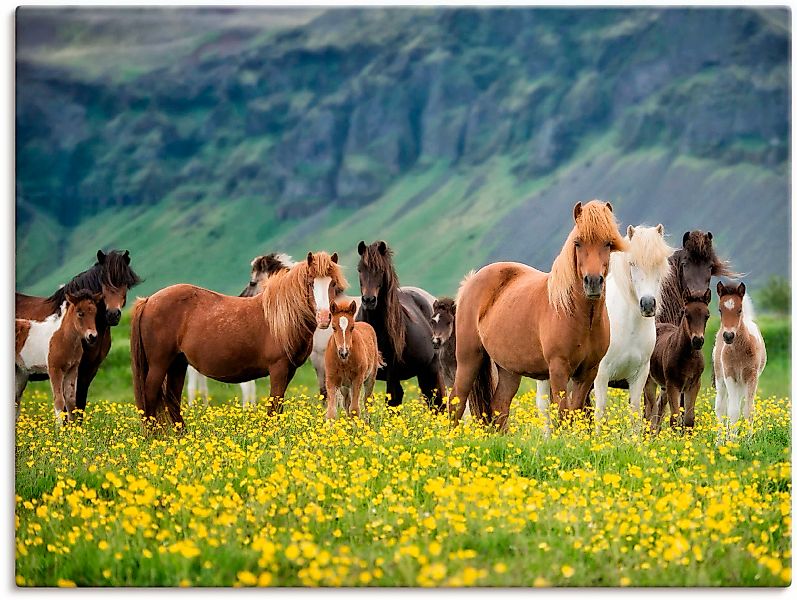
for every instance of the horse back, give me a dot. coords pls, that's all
(34, 308)
(500, 308)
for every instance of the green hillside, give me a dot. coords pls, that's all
(198, 138)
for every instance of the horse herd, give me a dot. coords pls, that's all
(620, 311)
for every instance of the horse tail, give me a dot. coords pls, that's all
(138, 355)
(482, 391)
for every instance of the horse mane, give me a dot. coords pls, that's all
(114, 272)
(373, 260)
(286, 300)
(462, 284)
(595, 224)
(699, 245)
(271, 264)
(648, 249)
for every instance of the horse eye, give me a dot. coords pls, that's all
(577, 244)
(80, 313)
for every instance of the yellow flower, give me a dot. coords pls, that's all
(66, 583)
(567, 571)
(246, 578)
(500, 568)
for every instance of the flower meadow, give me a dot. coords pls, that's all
(238, 498)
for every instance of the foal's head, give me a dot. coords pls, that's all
(442, 321)
(81, 314)
(694, 316)
(730, 300)
(376, 271)
(343, 327)
(648, 264)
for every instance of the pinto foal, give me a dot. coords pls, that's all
(352, 359)
(677, 364)
(739, 356)
(55, 346)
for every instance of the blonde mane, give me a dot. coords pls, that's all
(595, 224)
(650, 252)
(287, 300)
(462, 284)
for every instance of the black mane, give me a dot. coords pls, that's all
(114, 271)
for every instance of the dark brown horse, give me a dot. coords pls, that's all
(229, 338)
(444, 337)
(677, 363)
(541, 325)
(112, 276)
(401, 321)
(692, 268)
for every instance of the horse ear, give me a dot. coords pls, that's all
(382, 248)
(710, 237)
(577, 211)
(609, 206)
(334, 257)
(333, 308)
(70, 298)
(309, 259)
(660, 229)
(720, 289)
(686, 238)
(630, 231)
(454, 308)
(97, 297)
(126, 256)
(100, 256)
(741, 289)
(361, 248)
(707, 296)
(353, 306)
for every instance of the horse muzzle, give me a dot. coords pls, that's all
(697, 342)
(728, 336)
(369, 302)
(113, 316)
(647, 305)
(343, 354)
(323, 318)
(593, 286)
(91, 338)
(436, 343)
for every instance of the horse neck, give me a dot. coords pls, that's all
(586, 310)
(388, 309)
(67, 333)
(671, 295)
(683, 339)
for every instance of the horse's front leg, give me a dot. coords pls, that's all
(636, 387)
(673, 396)
(89, 366)
(559, 374)
(394, 389)
(601, 387)
(57, 385)
(70, 391)
(652, 408)
(354, 405)
(281, 374)
(432, 385)
(690, 398)
(332, 393)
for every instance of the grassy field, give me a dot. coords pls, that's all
(239, 498)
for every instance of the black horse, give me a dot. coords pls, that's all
(401, 321)
(112, 276)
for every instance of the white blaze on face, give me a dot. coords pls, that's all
(730, 304)
(344, 325)
(436, 318)
(321, 297)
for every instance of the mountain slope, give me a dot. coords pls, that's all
(460, 136)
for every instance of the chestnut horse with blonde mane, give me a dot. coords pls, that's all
(534, 324)
(229, 338)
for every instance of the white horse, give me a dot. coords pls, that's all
(263, 267)
(739, 357)
(633, 293)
